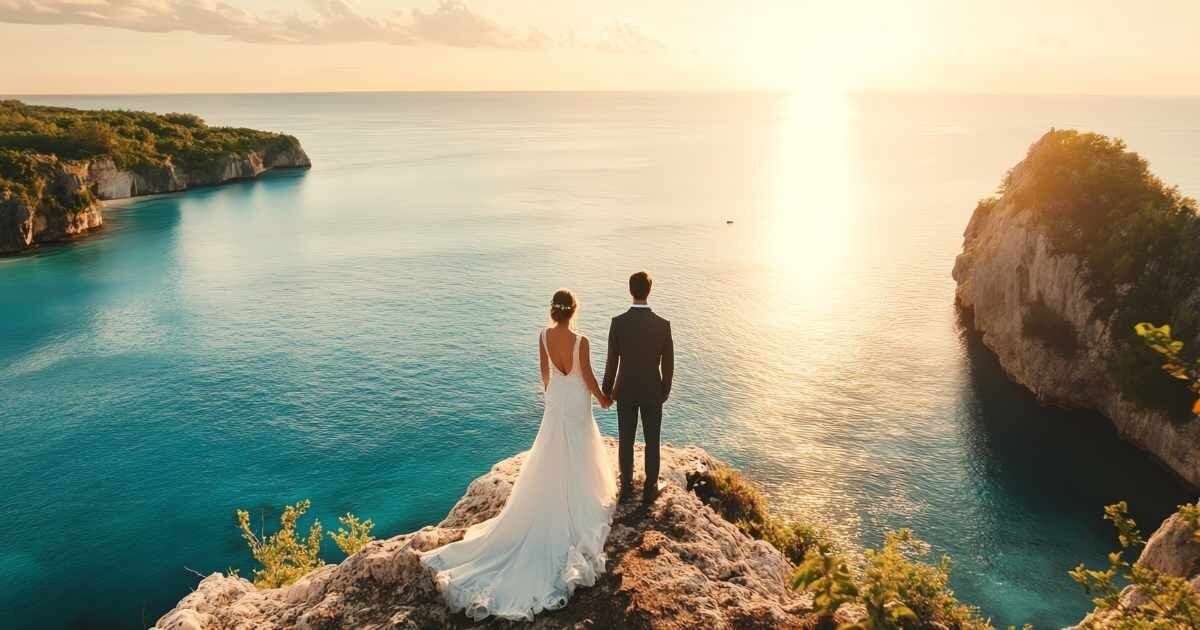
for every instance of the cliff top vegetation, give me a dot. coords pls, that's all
(131, 138)
(34, 138)
(1139, 239)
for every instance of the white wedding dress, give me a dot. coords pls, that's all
(549, 538)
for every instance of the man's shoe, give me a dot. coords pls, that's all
(625, 495)
(649, 495)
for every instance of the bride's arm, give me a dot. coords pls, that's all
(589, 379)
(544, 362)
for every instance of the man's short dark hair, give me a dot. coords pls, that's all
(639, 285)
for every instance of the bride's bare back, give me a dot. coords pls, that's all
(557, 354)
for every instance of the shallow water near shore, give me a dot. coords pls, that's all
(363, 334)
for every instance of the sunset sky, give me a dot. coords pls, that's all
(1014, 46)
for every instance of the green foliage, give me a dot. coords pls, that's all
(899, 588)
(739, 502)
(94, 136)
(34, 139)
(896, 587)
(1051, 329)
(1100, 201)
(793, 538)
(826, 575)
(1190, 514)
(30, 178)
(284, 558)
(1138, 238)
(132, 139)
(1159, 340)
(355, 536)
(1166, 602)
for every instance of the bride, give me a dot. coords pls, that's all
(549, 538)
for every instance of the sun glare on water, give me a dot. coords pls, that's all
(810, 215)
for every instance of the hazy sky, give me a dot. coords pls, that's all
(1043, 46)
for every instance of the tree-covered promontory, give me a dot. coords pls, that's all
(56, 162)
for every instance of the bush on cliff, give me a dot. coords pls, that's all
(29, 178)
(1054, 331)
(1161, 600)
(739, 502)
(826, 574)
(134, 140)
(1138, 237)
(285, 558)
(895, 587)
(1181, 366)
(353, 539)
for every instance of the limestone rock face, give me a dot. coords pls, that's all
(676, 564)
(23, 225)
(1006, 265)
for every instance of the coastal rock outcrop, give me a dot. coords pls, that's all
(677, 564)
(24, 222)
(1037, 306)
(58, 163)
(107, 181)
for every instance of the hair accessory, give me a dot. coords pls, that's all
(562, 307)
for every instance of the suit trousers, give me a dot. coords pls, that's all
(627, 421)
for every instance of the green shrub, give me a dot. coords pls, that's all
(740, 503)
(895, 587)
(1167, 601)
(353, 539)
(1179, 366)
(94, 136)
(284, 558)
(1052, 330)
(825, 574)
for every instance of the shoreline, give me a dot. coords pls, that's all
(121, 203)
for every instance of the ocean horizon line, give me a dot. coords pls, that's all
(851, 93)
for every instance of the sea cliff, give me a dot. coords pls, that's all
(58, 164)
(678, 564)
(1081, 243)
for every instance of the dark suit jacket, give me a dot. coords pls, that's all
(639, 344)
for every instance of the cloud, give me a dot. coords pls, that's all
(626, 38)
(453, 24)
(450, 23)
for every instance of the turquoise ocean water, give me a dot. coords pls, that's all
(363, 334)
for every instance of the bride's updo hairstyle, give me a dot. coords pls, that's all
(563, 305)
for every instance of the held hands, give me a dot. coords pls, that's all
(605, 401)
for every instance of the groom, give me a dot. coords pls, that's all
(641, 361)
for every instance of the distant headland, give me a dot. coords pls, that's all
(58, 163)
(1056, 273)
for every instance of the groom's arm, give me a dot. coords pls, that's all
(611, 362)
(668, 364)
